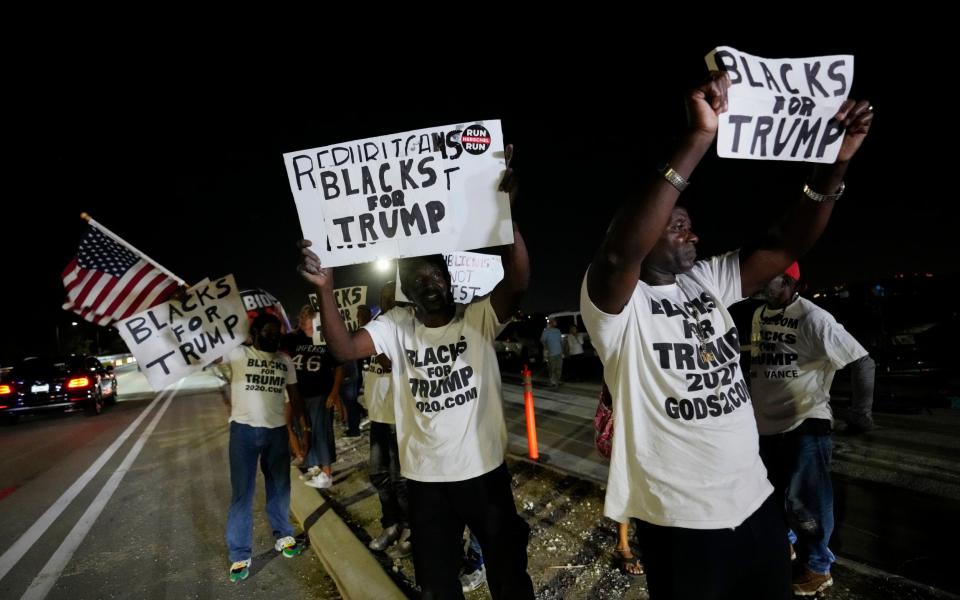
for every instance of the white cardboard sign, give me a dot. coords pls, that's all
(472, 275)
(409, 194)
(782, 108)
(181, 336)
(348, 300)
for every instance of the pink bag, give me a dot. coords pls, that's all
(603, 422)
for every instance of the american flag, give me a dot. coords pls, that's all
(106, 281)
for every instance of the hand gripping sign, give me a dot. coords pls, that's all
(782, 109)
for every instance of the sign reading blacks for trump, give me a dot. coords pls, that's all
(181, 336)
(782, 109)
(349, 299)
(410, 194)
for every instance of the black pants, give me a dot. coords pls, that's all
(385, 474)
(438, 513)
(750, 562)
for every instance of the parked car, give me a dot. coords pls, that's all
(519, 343)
(70, 383)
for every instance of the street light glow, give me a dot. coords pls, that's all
(382, 265)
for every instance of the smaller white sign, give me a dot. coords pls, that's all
(472, 275)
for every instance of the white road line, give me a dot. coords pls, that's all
(40, 526)
(45, 580)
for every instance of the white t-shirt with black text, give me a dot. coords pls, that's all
(685, 449)
(447, 399)
(797, 350)
(257, 386)
(377, 391)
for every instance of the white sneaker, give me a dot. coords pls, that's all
(473, 580)
(240, 570)
(311, 473)
(322, 481)
(288, 546)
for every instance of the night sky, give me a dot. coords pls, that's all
(186, 164)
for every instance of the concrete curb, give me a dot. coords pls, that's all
(883, 575)
(356, 572)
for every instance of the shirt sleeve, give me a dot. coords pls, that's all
(834, 341)
(291, 369)
(606, 330)
(485, 318)
(383, 332)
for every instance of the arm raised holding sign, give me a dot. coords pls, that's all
(652, 240)
(506, 297)
(806, 220)
(429, 283)
(628, 252)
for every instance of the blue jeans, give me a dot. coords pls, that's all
(798, 465)
(385, 474)
(323, 449)
(473, 558)
(270, 446)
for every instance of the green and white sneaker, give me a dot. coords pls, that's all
(240, 570)
(288, 546)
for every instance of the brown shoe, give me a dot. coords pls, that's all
(809, 583)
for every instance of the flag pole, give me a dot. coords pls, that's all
(120, 241)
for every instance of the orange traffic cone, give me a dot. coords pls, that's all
(532, 450)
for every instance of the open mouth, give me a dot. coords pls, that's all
(432, 295)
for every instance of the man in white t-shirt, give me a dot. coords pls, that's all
(384, 464)
(449, 414)
(685, 459)
(259, 417)
(797, 347)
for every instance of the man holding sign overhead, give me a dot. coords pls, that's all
(448, 410)
(685, 462)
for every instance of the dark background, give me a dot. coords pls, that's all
(183, 158)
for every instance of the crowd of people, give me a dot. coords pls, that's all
(721, 475)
